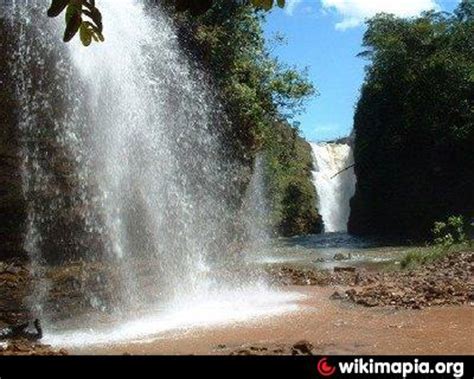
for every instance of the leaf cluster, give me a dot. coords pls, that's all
(81, 16)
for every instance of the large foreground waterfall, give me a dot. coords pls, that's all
(131, 196)
(334, 188)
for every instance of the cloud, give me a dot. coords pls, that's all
(354, 12)
(291, 6)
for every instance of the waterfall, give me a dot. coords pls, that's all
(256, 214)
(334, 192)
(131, 197)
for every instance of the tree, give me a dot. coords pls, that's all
(414, 123)
(84, 17)
(260, 95)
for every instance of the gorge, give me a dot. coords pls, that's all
(156, 188)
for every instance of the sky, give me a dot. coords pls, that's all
(325, 36)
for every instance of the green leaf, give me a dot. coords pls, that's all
(73, 10)
(73, 22)
(95, 33)
(281, 3)
(57, 7)
(85, 34)
(95, 15)
(265, 4)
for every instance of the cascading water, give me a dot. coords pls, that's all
(334, 191)
(256, 212)
(126, 181)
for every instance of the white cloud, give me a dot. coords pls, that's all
(291, 6)
(354, 12)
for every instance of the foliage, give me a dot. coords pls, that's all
(258, 92)
(450, 232)
(259, 95)
(414, 123)
(292, 192)
(91, 28)
(424, 255)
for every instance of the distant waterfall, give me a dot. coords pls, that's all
(334, 192)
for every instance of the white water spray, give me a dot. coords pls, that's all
(334, 191)
(126, 180)
(256, 215)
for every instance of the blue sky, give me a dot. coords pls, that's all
(325, 36)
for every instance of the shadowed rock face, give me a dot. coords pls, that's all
(20, 70)
(12, 203)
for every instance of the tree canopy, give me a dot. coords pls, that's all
(261, 96)
(414, 122)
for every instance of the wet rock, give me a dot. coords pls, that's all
(337, 296)
(302, 348)
(299, 348)
(288, 276)
(24, 347)
(3, 267)
(344, 269)
(342, 257)
(14, 270)
(443, 282)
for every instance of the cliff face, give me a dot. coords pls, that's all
(403, 192)
(295, 196)
(413, 167)
(293, 193)
(228, 43)
(12, 203)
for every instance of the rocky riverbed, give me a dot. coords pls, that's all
(447, 281)
(345, 292)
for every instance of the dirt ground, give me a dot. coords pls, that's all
(329, 326)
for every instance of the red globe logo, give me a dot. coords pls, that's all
(324, 368)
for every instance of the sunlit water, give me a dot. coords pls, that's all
(124, 161)
(320, 251)
(221, 309)
(335, 185)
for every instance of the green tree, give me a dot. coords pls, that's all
(414, 123)
(260, 96)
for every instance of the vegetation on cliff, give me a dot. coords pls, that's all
(260, 96)
(83, 17)
(414, 124)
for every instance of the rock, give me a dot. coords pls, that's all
(3, 267)
(342, 257)
(302, 348)
(14, 270)
(344, 269)
(241, 352)
(442, 282)
(337, 296)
